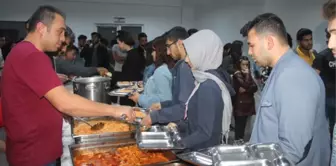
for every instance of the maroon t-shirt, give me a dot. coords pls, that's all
(33, 126)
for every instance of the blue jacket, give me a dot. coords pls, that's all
(182, 86)
(148, 72)
(157, 88)
(292, 112)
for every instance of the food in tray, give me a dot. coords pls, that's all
(122, 156)
(140, 114)
(125, 90)
(110, 126)
(125, 83)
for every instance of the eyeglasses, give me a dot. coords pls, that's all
(169, 45)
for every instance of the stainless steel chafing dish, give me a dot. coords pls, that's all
(100, 137)
(268, 154)
(112, 145)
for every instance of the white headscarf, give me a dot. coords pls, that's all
(205, 51)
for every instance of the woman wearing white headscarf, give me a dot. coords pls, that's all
(208, 109)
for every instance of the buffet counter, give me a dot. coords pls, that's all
(113, 145)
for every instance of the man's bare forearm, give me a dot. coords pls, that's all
(75, 105)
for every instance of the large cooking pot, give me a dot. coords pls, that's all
(93, 88)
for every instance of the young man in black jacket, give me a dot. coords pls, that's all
(95, 54)
(135, 62)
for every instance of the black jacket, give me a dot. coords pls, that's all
(102, 56)
(134, 66)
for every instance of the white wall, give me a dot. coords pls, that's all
(226, 19)
(157, 16)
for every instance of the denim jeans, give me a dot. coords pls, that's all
(330, 112)
(330, 109)
(51, 164)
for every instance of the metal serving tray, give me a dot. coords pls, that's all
(100, 137)
(113, 145)
(196, 158)
(269, 151)
(282, 161)
(123, 84)
(158, 138)
(243, 155)
(117, 93)
(261, 162)
(232, 153)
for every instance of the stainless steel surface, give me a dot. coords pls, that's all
(158, 128)
(267, 151)
(98, 137)
(124, 84)
(242, 155)
(282, 161)
(112, 145)
(93, 88)
(155, 144)
(117, 93)
(196, 158)
(244, 163)
(177, 164)
(231, 153)
(155, 135)
(158, 138)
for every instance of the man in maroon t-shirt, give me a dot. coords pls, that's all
(32, 95)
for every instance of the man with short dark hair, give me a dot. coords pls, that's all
(329, 13)
(65, 65)
(142, 38)
(134, 65)
(33, 96)
(81, 42)
(292, 110)
(304, 49)
(183, 82)
(325, 65)
(192, 31)
(95, 54)
(227, 63)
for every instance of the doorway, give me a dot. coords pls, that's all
(109, 31)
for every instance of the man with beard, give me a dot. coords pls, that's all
(291, 111)
(33, 97)
(304, 38)
(183, 82)
(95, 54)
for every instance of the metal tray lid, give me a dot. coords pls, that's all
(90, 79)
(196, 158)
(244, 163)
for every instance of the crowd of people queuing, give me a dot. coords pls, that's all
(191, 79)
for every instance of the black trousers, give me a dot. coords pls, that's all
(240, 124)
